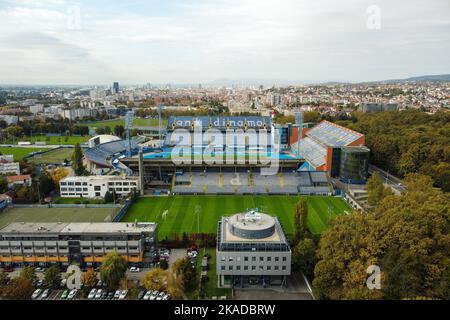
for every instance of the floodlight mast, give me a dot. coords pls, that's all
(129, 117)
(160, 109)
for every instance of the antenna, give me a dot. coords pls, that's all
(160, 109)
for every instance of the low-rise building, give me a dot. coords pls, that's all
(252, 250)
(9, 168)
(22, 180)
(82, 243)
(97, 186)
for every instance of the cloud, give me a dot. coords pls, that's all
(198, 41)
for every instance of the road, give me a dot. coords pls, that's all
(389, 180)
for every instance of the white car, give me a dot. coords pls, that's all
(45, 294)
(72, 294)
(92, 294)
(147, 295)
(166, 297)
(134, 269)
(154, 295)
(63, 282)
(98, 295)
(123, 294)
(36, 294)
(117, 294)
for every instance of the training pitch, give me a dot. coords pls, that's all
(190, 214)
(56, 215)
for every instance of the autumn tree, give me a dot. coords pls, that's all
(59, 174)
(163, 280)
(304, 256)
(29, 273)
(376, 190)
(17, 289)
(113, 269)
(89, 278)
(406, 236)
(184, 271)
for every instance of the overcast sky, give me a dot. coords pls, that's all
(197, 41)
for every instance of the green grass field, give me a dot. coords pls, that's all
(56, 215)
(19, 152)
(50, 140)
(182, 211)
(139, 122)
(53, 156)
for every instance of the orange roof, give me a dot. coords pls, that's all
(18, 178)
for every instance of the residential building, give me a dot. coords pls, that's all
(252, 250)
(96, 186)
(23, 180)
(86, 244)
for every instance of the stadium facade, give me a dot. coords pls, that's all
(227, 155)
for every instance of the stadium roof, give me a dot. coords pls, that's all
(101, 153)
(333, 135)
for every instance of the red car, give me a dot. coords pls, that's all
(8, 269)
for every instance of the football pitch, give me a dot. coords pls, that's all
(56, 215)
(190, 214)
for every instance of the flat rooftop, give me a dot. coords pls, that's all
(77, 227)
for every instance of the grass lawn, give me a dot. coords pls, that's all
(139, 122)
(51, 140)
(56, 215)
(182, 211)
(19, 152)
(210, 286)
(52, 156)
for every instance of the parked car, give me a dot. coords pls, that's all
(39, 283)
(92, 294)
(104, 294)
(154, 295)
(98, 295)
(141, 294)
(135, 269)
(123, 294)
(36, 294)
(167, 297)
(147, 295)
(8, 269)
(72, 294)
(63, 282)
(65, 294)
(117, 294)
(160, 295)
(110, 295)
(45, 294)
(39, 269)
(100, 283)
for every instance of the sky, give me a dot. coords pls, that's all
(199, 41)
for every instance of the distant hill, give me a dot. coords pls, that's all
(437, 77)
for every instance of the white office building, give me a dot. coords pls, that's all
(96, 186)
(9, 167)
(252, 250)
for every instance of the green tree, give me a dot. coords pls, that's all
(375, 189)
(119, 130)
(29, 273)
(52, 277)
(304, 256)
(185, 272)
(300, 220)
(77, 161)
(113, 269)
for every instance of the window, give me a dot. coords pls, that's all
(284, 258)
(223, 259)
(269, 267)
(97, 194)
(230, 268)
(245, 258)
(261, 259)
(238, 268)
(276, 268)
(245, 267)
(222, 268)
(283, 268)
(253, 267)
(230, 259)
(261, 268)
(277, 259)
(253, 259)
(269, 259)
(97, 188)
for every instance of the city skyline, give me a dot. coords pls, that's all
(79, 42)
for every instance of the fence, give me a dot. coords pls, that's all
(66, 205)
(123, 211)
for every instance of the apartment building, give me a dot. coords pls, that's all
(252, 250)
(43, 244)
(96, 186)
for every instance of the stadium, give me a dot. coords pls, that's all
(306, 158)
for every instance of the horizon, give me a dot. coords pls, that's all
(64, 42)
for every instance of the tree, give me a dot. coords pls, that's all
(187, 274)
(29, 273)
(46, 184)
(300, 216)
(304, 256)
(89, 278)
(17, 289)
(77, 161)
(59, 174)
(406, 236)
(113, 269)
(52, 277)
(375, 190)
(119, 130)
(163, 280)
